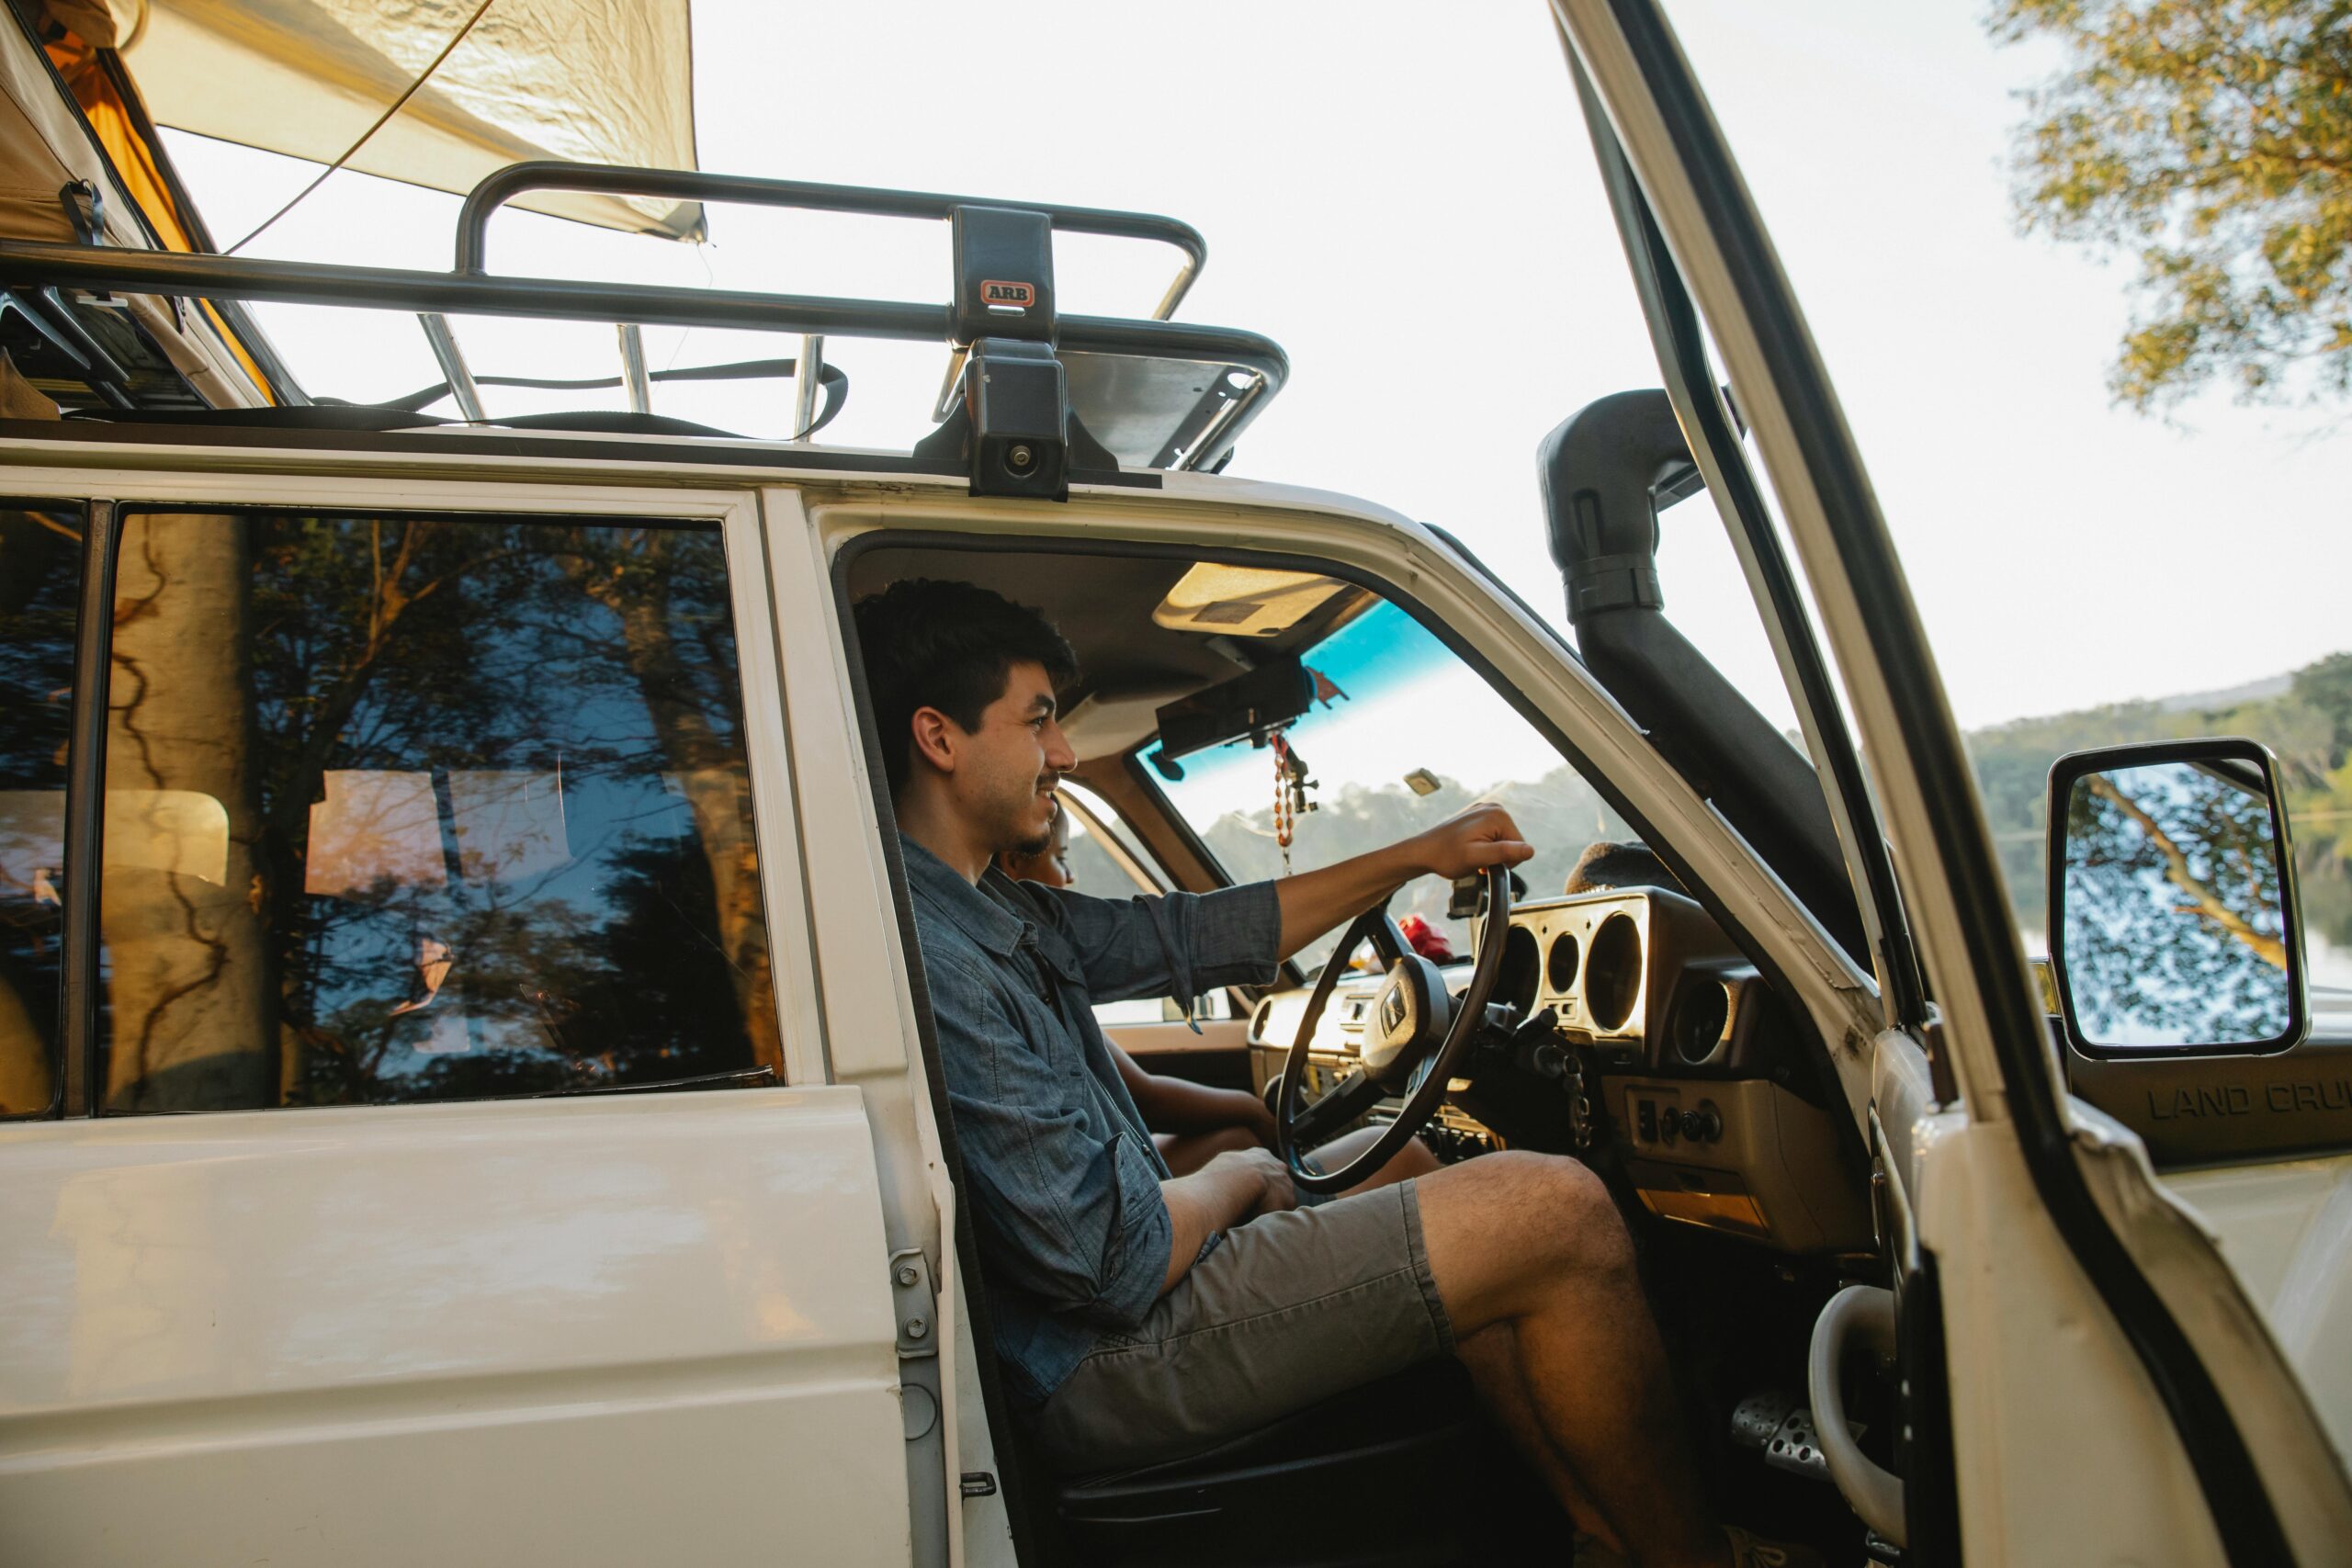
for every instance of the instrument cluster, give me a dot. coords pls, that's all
(1644, 973)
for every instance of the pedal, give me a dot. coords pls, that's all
(1796, 1448)
(1758, 1416)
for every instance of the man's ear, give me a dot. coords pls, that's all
(935, 738)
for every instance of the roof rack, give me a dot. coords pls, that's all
(1032, 396)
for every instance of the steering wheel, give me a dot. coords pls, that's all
(1415, 1034)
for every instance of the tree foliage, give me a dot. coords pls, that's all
(2214, 137)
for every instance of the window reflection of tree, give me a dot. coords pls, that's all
(2172, 909)
(41, 571)
(254, 655)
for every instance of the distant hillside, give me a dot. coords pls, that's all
(2305, 717)
(2234, 697)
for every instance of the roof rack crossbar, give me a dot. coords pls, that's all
(31, 264)
(502, 186)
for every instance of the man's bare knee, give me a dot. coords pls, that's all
(1506, 1228)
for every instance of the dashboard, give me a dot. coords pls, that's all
(1640, 1035)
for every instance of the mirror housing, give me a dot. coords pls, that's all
(2174, 928)
(1248, 705)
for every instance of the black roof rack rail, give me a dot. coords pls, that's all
(502, 186)
(1003, 313)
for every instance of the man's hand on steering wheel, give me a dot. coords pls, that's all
(1471, 841)
(1414, 1031)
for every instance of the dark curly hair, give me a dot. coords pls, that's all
(1628, 864)
(949, 646)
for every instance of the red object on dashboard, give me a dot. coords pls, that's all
(1426, 940)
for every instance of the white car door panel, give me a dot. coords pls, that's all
(2286, 1229)
(606, 1329)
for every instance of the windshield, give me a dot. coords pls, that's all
(1405, 735)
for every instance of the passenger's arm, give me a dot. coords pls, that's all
(1143, 1087)
(1315, 901)
(1237, 1185)
(1178, 1105)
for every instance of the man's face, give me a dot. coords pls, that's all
(1011, 764)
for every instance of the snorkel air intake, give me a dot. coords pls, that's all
(1607, 472)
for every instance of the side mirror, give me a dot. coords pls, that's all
(2173, 925)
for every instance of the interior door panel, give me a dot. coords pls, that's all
(1218, 1055)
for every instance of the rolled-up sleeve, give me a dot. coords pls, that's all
(1173, 944)
(1078, 1218)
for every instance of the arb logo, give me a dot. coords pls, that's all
(1018, 296)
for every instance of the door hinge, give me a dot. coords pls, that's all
(914, 1305)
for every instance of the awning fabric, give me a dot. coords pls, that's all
(595, 80)
(45, 143)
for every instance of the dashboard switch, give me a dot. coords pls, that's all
(1704, 1125)
(1646, 1121)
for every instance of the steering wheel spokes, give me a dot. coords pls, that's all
(1356, 1092)
(1412, 1022)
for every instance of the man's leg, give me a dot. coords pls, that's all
(1492, 1357)
(1532, 1241)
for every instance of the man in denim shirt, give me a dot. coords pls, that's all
(1141, 1316)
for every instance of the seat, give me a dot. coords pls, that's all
(1405, 1470)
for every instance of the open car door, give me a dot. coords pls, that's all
(2066, 1328)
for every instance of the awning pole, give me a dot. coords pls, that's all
(805, 382)
(453, 366)
(640, 387)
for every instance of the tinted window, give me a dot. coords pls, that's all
(41, 575)
(406, 808)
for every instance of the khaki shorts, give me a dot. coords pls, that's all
(1291, 1309)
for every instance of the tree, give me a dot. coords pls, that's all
(2216, 137)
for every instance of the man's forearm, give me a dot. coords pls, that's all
(1315, 901)
(1214, 1198)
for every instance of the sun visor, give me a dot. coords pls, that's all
(593, 80)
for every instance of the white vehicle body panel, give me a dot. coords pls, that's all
(649, 1328)
(2286, 1229)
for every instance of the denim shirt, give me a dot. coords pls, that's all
(1061, 1174)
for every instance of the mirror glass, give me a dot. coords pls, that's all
(2173, 932)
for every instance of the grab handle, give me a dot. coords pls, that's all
(1858, 1315)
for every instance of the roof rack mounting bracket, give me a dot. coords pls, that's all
(1016, 401)
(1014, 429)
(1004, 275)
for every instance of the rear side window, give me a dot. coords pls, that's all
(410, 808)
(40, 577)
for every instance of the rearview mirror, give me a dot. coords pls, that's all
(2173, 925)
(1274, 694)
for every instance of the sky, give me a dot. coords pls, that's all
(1411, 210)
(1393, 674)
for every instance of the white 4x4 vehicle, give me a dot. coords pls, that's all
(473, 1093)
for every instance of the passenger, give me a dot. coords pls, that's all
(1142, 1316)
(1190, 1123)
